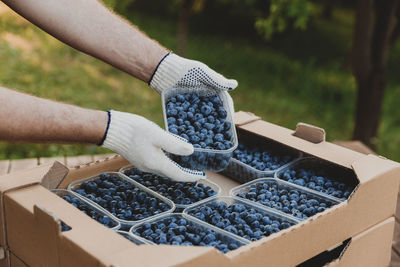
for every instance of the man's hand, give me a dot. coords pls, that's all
(174, 70)
(143, 143)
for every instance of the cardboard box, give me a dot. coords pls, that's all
(31, 214)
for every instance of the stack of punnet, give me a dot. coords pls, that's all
(203, 118)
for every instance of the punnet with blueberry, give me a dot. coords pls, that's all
(175, 229)
(240, 218)
(284, 197)
(202, 117)
(321, 176)
(181, 193)
(90, 210)
(257, 157)
(127, 200)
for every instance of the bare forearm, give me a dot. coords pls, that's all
(91, 28)
(26, 118)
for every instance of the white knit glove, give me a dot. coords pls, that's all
(142, 142)
(174, 70)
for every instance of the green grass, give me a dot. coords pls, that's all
(298, 77)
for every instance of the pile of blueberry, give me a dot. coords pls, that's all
(263, 159)
(64, 227)
(290, 201)
(122, 199)
(178, 192)
(239, 219)
(101, 218)
(200, 120)
(317, 180)
(176, 230)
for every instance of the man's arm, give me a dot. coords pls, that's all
(90, 27)
(25, 118)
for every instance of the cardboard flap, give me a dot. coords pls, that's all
(49, 227)
(49, 175)
(309, 133)
(242, 117)
(371, 166)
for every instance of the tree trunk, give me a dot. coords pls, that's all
(328, 9)
(183, 25)
(370, 48)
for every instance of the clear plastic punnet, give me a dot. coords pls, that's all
(76, 185)
(243, 172)
(282, 185)
(179, 207)
(272, 214)
(135, 239)
(332, 171)
(114, 224)
(223, 236)
(203, 159)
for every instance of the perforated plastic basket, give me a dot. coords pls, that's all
(245, 188)
(180, 207)
(265, 211)
(203, 159)
(220, 235)
(100, 211)
(75, 185)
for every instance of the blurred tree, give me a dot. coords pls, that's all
(328, 8)
(375, 21)
(284, 13)
(186, 7)
(373, 34)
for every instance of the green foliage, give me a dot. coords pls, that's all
(284, 13)
(281, 82)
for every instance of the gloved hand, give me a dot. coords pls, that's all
(175, 70)
(142, 142)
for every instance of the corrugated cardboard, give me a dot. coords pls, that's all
(369, 248)
(31, 214)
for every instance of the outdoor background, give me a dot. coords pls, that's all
(298, 70)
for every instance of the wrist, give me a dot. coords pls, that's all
(155, 60)
(167, 73)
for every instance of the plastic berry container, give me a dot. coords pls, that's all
(335, 173)
(181, 207)
(115, 224)
(203, 158)
(219, 234)
(282, 185)
(244, 173)
(135, 239)
(265, 211)
(119, 176)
